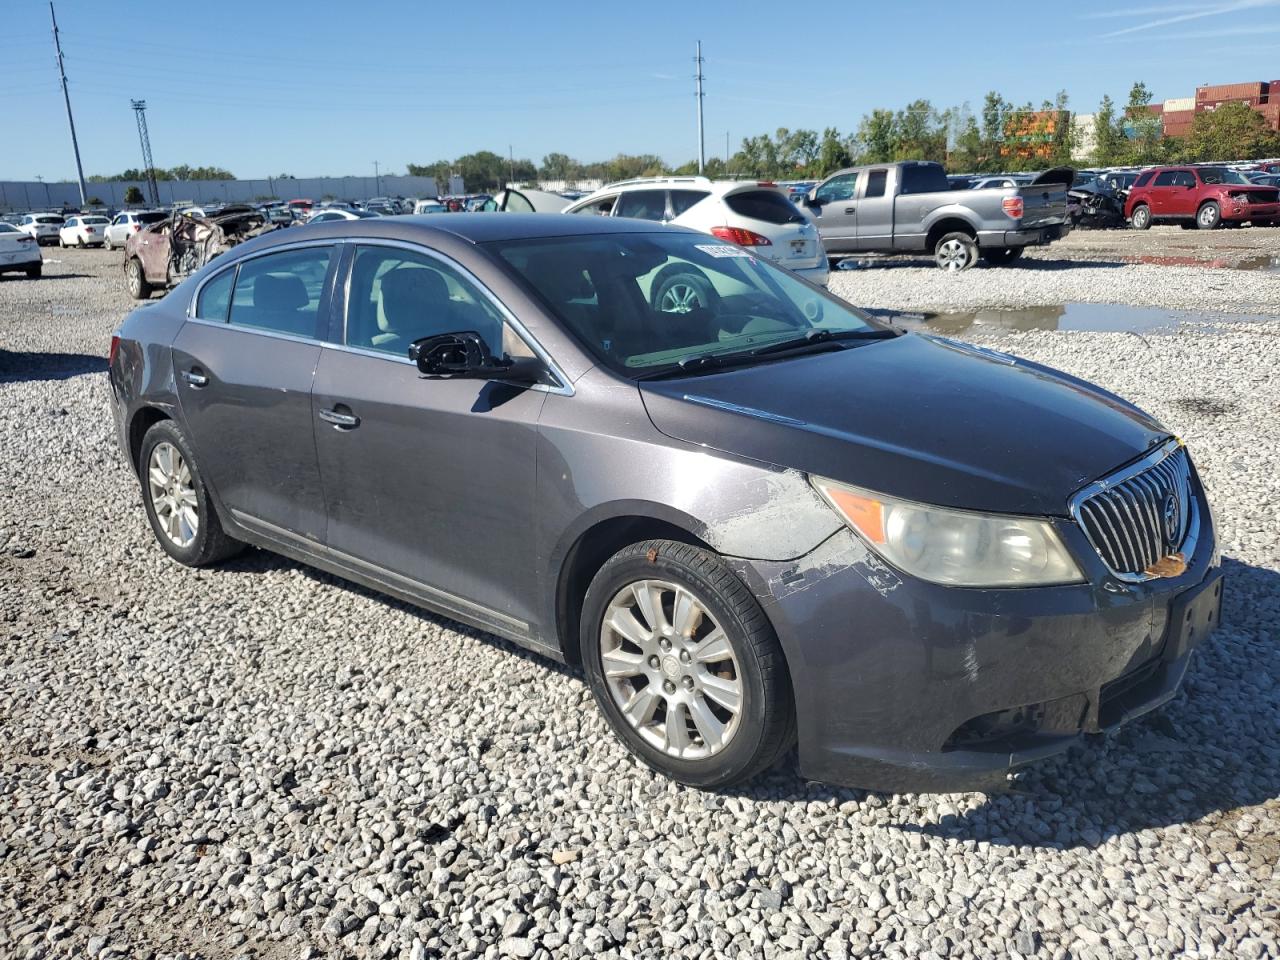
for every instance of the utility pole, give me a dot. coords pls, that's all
(144, 138)
(702, 151)
(62, 73)
(377, 182)
(511, 159)
(726, 150)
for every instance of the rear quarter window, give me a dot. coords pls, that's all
(682, 200)
(765, 205)
(923, 178)
(215, 297)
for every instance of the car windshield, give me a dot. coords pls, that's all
(94, 220)
(663, 303)
(8, 228)
(1219, 175)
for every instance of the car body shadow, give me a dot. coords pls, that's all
(18, 366)
(48, 275)
(855, 264)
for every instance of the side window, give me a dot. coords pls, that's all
(1143, 180)
(399, 296)
(682, 200)
(643, 205)
(876, 181)
(215, 297)
(1166, 178)
(600, 208)
(1185, 178)
(118, 220)
(281, 292)
(837, 188)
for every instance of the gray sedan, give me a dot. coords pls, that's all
(766, 520)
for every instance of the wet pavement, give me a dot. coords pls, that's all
(1106, 317)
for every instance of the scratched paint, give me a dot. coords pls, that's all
(776, 514)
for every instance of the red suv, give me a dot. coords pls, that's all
(1204, 197)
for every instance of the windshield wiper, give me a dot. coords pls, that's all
(817, 337)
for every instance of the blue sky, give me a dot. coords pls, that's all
(326, 87)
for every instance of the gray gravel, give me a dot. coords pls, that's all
(263, 761)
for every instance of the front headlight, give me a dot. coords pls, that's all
(954, 547)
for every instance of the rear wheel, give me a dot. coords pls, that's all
(682, 290)
(136, 280)
(1141, 218)
(1002, 256)
(34, 271)
(177, 500)
(1209, 216)
(955, 251)
(685, 666)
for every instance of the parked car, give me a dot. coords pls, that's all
(42, 227)
(910, 208)
(428, 206)
(329, 215)
(19, 252)
(754, 214)
(1003, 181)
(127, 223)
(751, 525)
(83, 231)
(163, 254)
(1203, 197)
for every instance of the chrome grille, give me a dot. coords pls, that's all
(1141, 514)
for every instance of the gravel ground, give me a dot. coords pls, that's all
(263, 761)
(1089, 266)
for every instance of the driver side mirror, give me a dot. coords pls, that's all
(811, 200)
(466, 355)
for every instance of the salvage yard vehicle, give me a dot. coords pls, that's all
(163, 254)
(42, 227)
(911, 208)
(765, 521)
(757, 215)
(19, 252)
(1203, 197)
(129, 222)
(83, 231)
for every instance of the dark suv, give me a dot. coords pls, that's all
(1204, 197)
(763, 520)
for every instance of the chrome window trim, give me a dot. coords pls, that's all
(564, 388)
(224, 325)
(236, 262)
(1161, 453)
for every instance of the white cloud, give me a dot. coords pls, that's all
(1236, 7)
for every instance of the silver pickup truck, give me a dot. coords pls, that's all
(909, 208)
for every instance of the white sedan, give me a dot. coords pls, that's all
(84, 231)
(19, 251)
(337, 213)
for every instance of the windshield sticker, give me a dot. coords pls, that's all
(723, 250)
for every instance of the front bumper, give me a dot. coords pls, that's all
(907, 686)
(1245, 212)
(1030, 237)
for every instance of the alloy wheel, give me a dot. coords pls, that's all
(173, 494)
(953, 255)
(680, 298)
(671, 669)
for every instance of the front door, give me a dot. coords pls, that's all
(1161, 188)
(429, 482)
(244, 368)
(836, 212)
(1181, 201)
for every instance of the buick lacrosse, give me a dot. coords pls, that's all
(758, 521)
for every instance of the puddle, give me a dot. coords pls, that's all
(1266, 262)
(1100, 317)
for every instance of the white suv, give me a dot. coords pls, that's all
(753, 214)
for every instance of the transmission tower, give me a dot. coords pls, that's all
(140, 108)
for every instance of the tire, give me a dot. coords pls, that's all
(136, 279)
(107, 244)
(61, 243)
(753, 668)
(34, 271)
(80, 242)
(193, 536)
(1002, 257)
(955, 251)
(1187, 226)
(1141, 218)
(1209, 216)
(682, 289)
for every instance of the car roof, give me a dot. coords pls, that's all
(478, 227)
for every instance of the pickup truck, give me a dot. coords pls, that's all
(910, 208)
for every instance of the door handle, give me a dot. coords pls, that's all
(340, 420)
(195, 378)
(849, 209)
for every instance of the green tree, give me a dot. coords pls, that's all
(833, 153)
(1142, 125)
(133, 195)
(875, 140)
(995, 113)
(559, 166)
(1232, 131)
(1110, 143)
(440, 170)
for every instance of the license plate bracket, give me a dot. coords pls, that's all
(1194, 615)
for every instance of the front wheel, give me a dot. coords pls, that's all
(682, 290)
(177, 500)
(1209, 216)
(955, 251)
(685, 666)
(1141, 218)
(1002, 256)
(136, 280)
(107, 244)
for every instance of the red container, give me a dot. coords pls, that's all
(1231, 91)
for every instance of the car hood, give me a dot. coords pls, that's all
(917, 417)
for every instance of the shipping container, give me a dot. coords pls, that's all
(1179, 116)
(1175, 104)
(1231, 91)
(1203, 106)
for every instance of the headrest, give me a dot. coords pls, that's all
(280, 291)
(410, 294)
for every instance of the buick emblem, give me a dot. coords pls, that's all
(1172, 518)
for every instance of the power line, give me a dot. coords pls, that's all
(144, 138)
(702, 149)
(62, 74)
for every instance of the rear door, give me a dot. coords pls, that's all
(429, 481)
(875, 210)
(643, 205)
(1160, 191)
(836, 211)
(244, 364)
